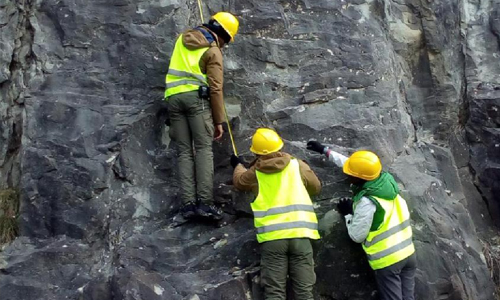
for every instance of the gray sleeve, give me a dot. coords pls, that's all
(358, 225)
(336, 157)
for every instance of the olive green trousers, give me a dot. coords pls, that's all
(192, 129)
(288, 257)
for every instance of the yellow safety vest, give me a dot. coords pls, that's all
(283, 208)
(392, 241)
(184, 73)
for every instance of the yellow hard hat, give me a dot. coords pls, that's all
(363, 164)
(228, 22)
(266, 141)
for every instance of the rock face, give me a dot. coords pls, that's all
(83, 139)
(483, 99)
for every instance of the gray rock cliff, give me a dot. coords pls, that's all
(82, 138)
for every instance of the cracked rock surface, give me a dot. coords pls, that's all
(82, 138)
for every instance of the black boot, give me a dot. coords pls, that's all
(188, 210)
(209, 211)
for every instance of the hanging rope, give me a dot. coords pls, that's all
(224, 104)
(230, 132)
(201, 11)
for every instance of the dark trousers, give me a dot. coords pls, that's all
(397, 282)
(292, 257)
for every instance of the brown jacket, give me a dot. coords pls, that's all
(246, 180)
(211, 64)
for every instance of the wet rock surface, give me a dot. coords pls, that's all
(82, 137)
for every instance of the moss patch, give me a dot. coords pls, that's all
(9, 212)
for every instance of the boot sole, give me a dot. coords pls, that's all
(188, 215)
(208, 215)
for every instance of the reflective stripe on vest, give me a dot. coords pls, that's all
(290, 225)
(178, 73)
(184, 73)
(184, 82)
(283, 208)
(392, 241)
(280, 210)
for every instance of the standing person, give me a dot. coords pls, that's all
(196, 108)
(378, 217)
(283, 215)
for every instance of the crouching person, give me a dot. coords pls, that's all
(283, 215)
(379, 219)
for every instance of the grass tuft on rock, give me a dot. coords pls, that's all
(9, 212)
(491, 251)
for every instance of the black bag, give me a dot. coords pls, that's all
(204, 92)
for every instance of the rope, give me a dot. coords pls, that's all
(224, 104)
(201, 11)
(230, 132)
